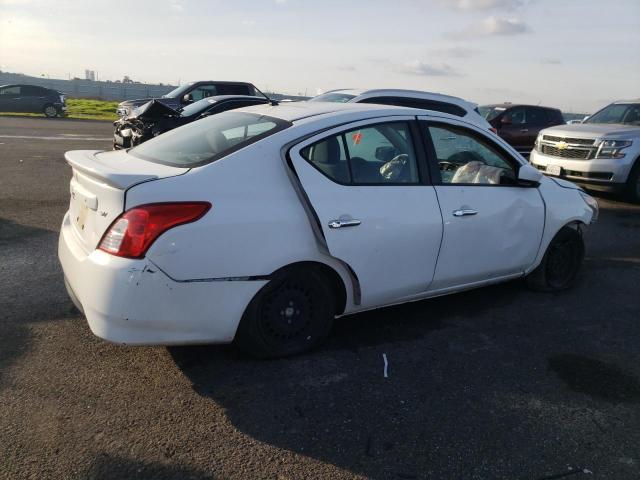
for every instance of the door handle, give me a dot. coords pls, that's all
(344, 222)
(524, 130)
(464, 212)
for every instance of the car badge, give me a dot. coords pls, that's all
(562, 145)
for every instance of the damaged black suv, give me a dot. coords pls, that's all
(192, 92)
(155, 117)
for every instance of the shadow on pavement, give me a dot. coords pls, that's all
(335, 405)
(31, 287)
(106, 467)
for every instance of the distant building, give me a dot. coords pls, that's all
(90, 75)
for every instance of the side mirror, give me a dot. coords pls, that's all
(506, 121)
(585, 118)
(188, 98)
(529, 175)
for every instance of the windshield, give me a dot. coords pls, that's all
(625, 113)
(177, 92)
(489, 113)
(333, 97)
(209, 139)
(196, 107)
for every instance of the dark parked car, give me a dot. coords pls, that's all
(519, 125)
(154, 117)
(32, 99)
(192, 92)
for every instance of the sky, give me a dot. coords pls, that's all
(577, 55)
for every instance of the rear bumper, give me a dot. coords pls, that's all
(133, 302)
(597, 174)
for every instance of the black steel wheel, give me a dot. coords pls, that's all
(561, 263)
(291, 314)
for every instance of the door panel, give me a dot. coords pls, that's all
(388, 234)
(502, 238)
(492, 226)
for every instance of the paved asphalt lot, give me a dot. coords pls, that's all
(498, 383)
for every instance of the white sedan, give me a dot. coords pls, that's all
(264, 224)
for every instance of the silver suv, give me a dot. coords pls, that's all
(603, 152)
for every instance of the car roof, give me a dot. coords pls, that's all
(295, 111)
(623, 102)
(222, 98)
(379, 92)
(222, 82)
(511, 105)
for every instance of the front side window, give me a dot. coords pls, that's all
(209, 139)
(617, 113)
(466, 158)
(203, 91)
(381, 154)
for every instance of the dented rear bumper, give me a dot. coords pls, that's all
(133, 302)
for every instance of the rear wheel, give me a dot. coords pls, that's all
(561, 263)
(291, 314)
(50, 111)
(633, 183)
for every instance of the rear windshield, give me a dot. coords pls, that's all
(209, 139)
(333, 97)
(489, 113)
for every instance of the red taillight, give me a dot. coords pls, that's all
(494, 130)
(133, 232)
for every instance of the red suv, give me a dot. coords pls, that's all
(519, 125)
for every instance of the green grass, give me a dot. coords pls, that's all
(96, 109)
(83, 108)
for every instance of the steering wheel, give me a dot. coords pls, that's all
(446, 166)
(465, 156)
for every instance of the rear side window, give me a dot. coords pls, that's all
(224, 89)
(13, 90)
(374, 155)
(209, 139)
(421, 103)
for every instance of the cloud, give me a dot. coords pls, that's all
(248, 22)
(421, 68)
(551, 61)
(455, 52)
(493, 26)
(176, 6)
(346, 68)
(466, 5)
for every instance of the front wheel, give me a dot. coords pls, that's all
(561, 263)
(291, 314)
(50, 111)
(633, 183)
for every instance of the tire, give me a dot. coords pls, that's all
(50, 111)
(561, 263)
(291, 314)
(633, 183)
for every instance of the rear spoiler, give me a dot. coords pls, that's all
(111, 169)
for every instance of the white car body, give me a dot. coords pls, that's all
(413, 99)
(271, 209)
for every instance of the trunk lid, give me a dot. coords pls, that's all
(98, 185)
